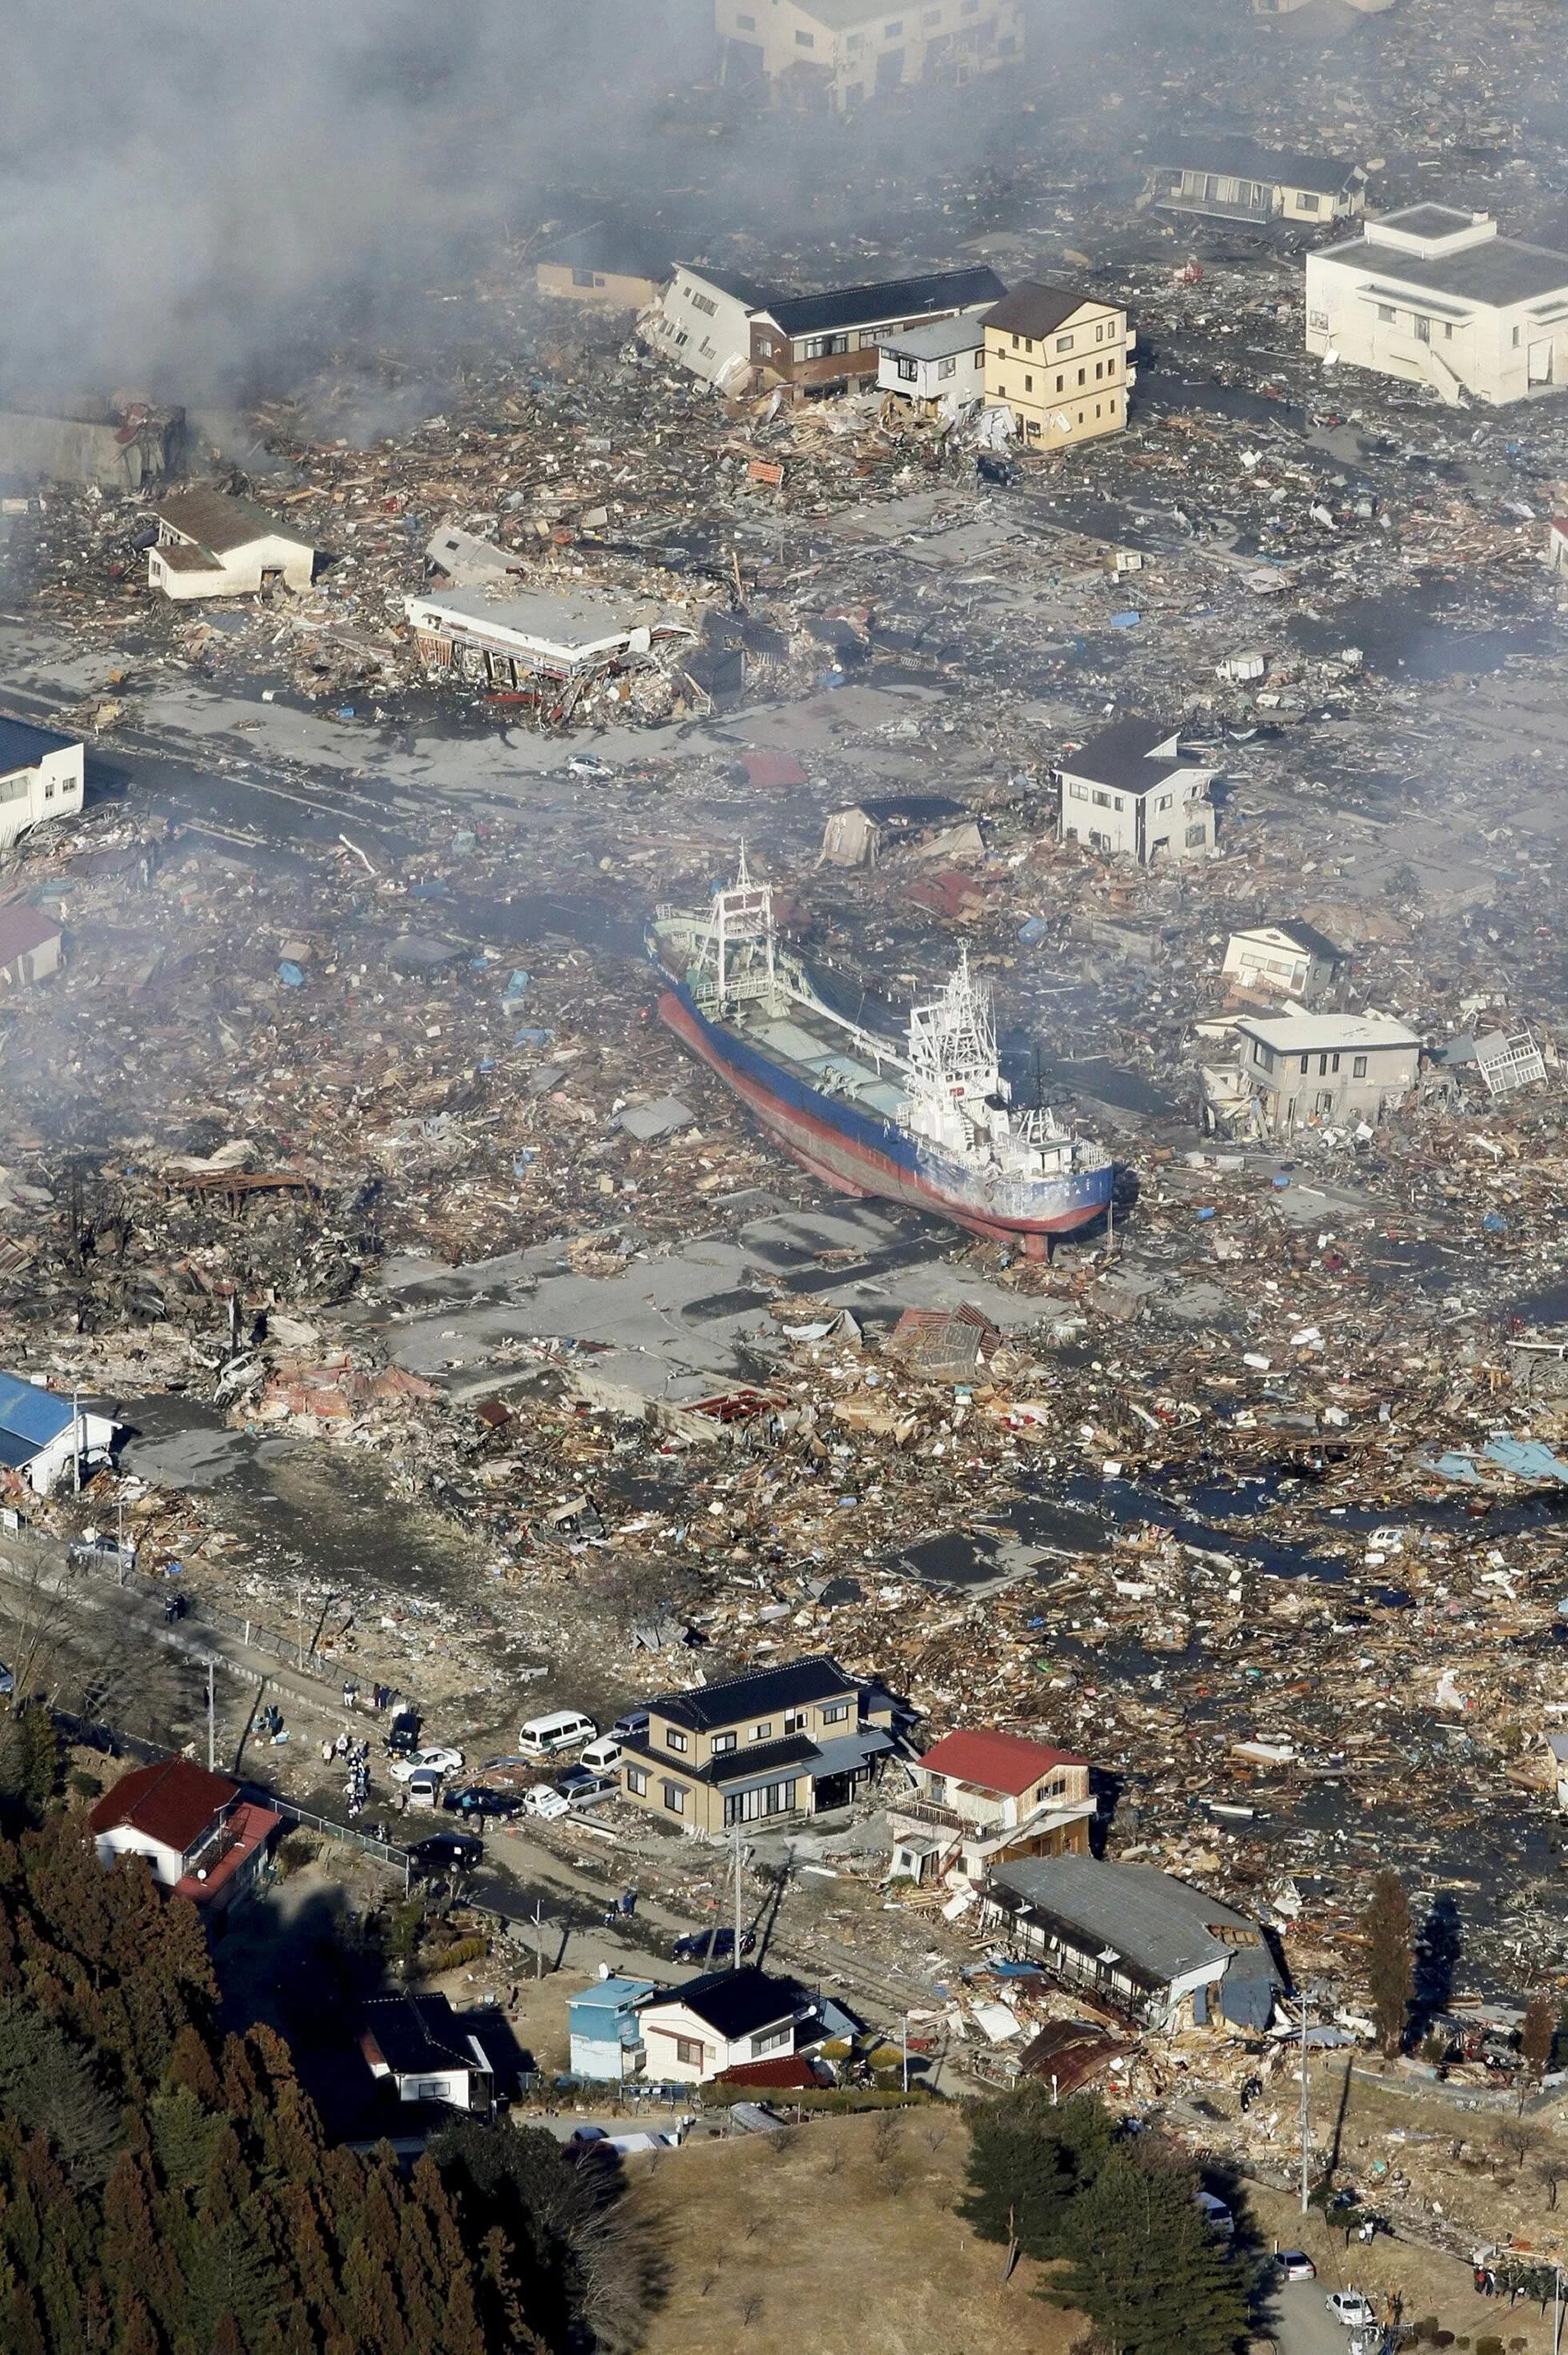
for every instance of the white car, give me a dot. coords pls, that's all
(1349, 2306)
(544, 1800)
(435, 1762)
(601, 1756)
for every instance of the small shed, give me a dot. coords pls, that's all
(210, 545)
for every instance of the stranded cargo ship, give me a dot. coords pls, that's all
(926, 1121)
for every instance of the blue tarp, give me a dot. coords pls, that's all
(1529, 1459)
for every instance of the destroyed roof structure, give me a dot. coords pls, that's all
(1436, 296)
(553, 646)
(1142, 1941)
(739, 336)
(606, 262)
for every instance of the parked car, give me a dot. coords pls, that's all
(628, 1728)
(436, 1761)
(448, 1852)
(403, 1733)
(562, 1729)
(543, 1799)
(1349, 2306)
(600, 1755)
(478, 1799)
(716, 1944)
(1295, 2264)
(1216, 2214)
(581, 1791)
(424, 1786)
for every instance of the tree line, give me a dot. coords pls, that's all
(1114, 2214)
(166, 2189)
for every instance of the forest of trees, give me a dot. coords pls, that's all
(165, 2191)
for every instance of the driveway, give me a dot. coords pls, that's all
(1303, 2324)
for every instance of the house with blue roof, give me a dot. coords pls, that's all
(43, 1433)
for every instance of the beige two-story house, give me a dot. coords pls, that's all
(798, 1739)
(840, 55)
(1058, 361)
(982, 1798)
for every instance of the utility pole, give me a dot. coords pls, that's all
(1556, 2306)
(906, 2051)
(211, 1734)
(299, 1616)
(538, 1939)
(76, 1435)
(1305, 2112)
(735, 1956)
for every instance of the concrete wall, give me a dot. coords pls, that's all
(125, 1839)
(1140, 826)
(1291, 1098)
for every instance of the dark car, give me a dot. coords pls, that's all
(403, 1733)
(475, 1799)
(716, 1944)
(448, 1852)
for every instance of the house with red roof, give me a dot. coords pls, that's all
(984, 1798)
(203, 1838)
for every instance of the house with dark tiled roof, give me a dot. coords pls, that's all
(723, 2020)
(199, 1834)
(797, 1740)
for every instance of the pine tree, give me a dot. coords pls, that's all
(1028, 2159)
(1143, 2264)
(1390, 1966)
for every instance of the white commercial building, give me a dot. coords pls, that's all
(210, 545)
(939, 369)
(1434, 296)
(41, 775)
(1132, 792)
(515, 638)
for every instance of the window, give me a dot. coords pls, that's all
(1448, 332)
(1385, 313)
(582, 278)
(1029, 384)
(932, 17)
(1118, 801)
(1096, 409)
(1082, 375)
(1163, 802)
(835, 1713)
(1423, 326)
(1099, 370)
(768, 1799)
(1359, 1068)
(762, 1731)
(805, 40)
(794, 1721)
(674, 1738)
(1111, 366)
(1305, 1060)
(822, 347)
(1516, 339)
(1064, 342)
(1032, 429)
(905, 370)
(1101, 800)
(721, 1744)
(1336, 1062)
(1308, 202)
(638, 1781)
(745, 24)
(891, 32)
(1058, 383)
(706, 305)
(936, 1788)
(772, 2040)
(675, 1799)
(1078, 793)
(980, 359)
(1322, 1067)
(1016, 342)
(1197, 835)
(689, 2052)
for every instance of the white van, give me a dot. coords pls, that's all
(563, 1729)
(601, 1756)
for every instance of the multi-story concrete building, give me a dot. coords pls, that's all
(1434, 296)
(1303, 1069)
(836, 54)
(1056, 361)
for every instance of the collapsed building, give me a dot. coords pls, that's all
(108, 444)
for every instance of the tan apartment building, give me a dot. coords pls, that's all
(798, 1739)
(836, 55)
(1058, 362)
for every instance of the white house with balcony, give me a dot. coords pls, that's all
(1436, 296)
(982, 1797)
(938, 370)
(1132, 793)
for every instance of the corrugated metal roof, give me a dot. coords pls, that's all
(29, 1413)
(1160, 1925)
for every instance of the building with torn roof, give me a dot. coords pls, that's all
(537, 639)
(742, 337)
(1434, 296)
(29, 945)
(837, 55)
(1332, 1068)
(1286, 960)
(107, 445)
(210, 545)
(1139, 1940)
(939, 369)
(983, 1798)
(42, 775)
(1132, 792)
(1223, 179)
(796, 1739)
(1058, 363)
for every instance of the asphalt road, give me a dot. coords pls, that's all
(1303, 2324)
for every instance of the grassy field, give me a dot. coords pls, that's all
(841, 2243)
